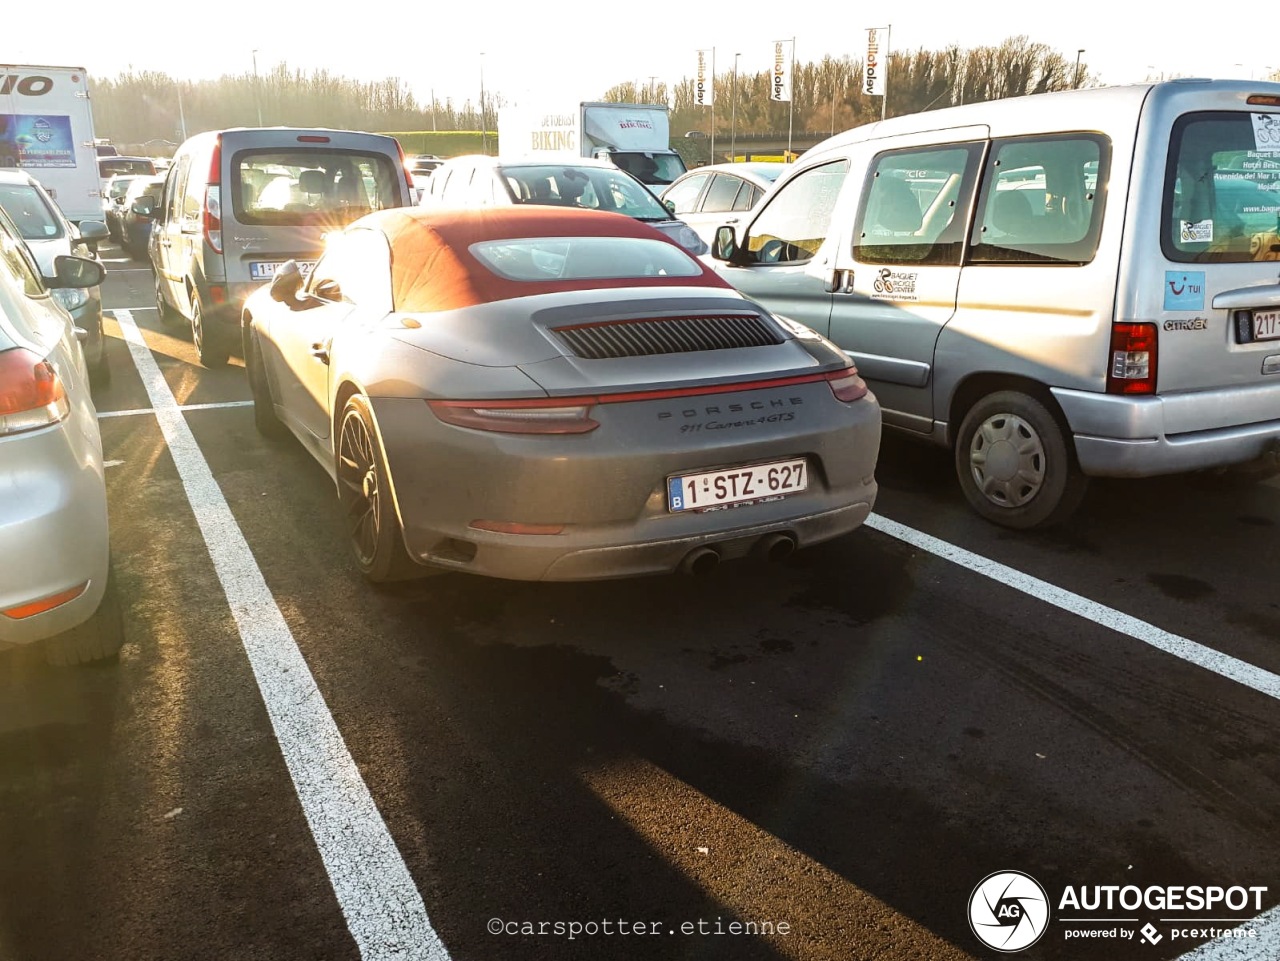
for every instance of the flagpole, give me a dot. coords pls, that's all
(884, 101)
(791, 113)
(713, 104)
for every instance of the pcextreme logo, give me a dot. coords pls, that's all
(1008, 911)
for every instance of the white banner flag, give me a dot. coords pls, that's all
(877, 64)
(704, 80)
(784, 54)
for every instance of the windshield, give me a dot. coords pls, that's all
(31, 213)
(311, 186)
(1222, 189)
(596, 188)
(658, 169)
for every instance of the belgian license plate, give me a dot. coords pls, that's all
(266, 269)
(1266, 325)
(736, 485)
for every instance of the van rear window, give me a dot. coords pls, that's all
(1222, 189)
(312, 186)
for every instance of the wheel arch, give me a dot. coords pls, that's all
(349, 387)
(978, 385)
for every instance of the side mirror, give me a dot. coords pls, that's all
(144, 207)
(286, 283)
(92, 231)
(671, 206)
(726, 245)
(75, 272)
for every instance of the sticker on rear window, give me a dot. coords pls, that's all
(1266, 130)
(1200, 232)
(1184, 290)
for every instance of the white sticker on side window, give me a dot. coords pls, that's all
(1266, 131)
(1197, 233)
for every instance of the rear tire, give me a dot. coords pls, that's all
(97, 639)
(264, 411)
(364, 493)
(209, 350)
(1015, 464)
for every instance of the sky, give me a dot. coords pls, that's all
(550, 53)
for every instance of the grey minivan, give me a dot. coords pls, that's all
(285, 188)
(1054, 287)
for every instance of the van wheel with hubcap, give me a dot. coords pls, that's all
(208, 350)
(1015, 465)
(364, 493)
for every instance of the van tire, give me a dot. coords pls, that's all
(168, 316)
(1015, 463)
(264, 412)
(209, 351)
(96, 640)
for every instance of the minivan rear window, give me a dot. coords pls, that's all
(1222, 190)
(311, 186)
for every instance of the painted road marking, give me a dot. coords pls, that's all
(1266, 947)
(182, 407)
(379, 900)
(1190, 651)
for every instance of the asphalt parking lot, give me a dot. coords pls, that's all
(817, 759)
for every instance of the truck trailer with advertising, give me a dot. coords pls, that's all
(46, 129)
(634, 136)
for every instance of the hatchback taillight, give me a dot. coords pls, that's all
(1131, 367)
(31, 393)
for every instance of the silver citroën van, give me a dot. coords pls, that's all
(1057, 286)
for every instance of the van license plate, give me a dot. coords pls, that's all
(1266, 325)
(698, 492)
(265, 270)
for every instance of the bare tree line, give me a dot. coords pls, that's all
(149, 106)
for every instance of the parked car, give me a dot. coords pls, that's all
(56, 587)
(113, 203)
(555, 394)
(583, 183)
(135, 223)
(285, 189)
(112, 166)
(1074, 285)
(49, 235)
(716, 194)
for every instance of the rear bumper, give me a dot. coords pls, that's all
(608, 490)
(53, 530)
(1146, 436)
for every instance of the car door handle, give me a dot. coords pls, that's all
(839, 281)
(320, 351)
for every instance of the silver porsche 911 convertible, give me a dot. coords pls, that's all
(552, 394)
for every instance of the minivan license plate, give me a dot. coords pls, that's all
(265, 270)
(1266, 325)
(696, 492)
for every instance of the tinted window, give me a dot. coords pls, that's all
(584, 258)
(723, 193)
(915, 206)
(794, 224)
(1222, 188)
(31, 213)
(1037, 203)
(748, 197)
(306, 186)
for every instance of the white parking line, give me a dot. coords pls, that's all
(182, 407)
(379, 900)
(1265, 947)
(1190, 651)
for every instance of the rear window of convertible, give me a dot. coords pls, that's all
(542, 259)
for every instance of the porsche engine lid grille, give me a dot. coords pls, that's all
(667, 335)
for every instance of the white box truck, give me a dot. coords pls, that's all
(46, 128)
(634, 136)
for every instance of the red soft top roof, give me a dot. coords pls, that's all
(432, 267)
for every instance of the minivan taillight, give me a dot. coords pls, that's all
(1132, 364)
(213, 217)
(31, 393)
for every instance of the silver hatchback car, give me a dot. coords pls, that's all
(55, 572)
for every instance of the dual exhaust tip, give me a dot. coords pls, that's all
(772, 547)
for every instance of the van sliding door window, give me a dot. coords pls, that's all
(1037, 204)
(795, 223)
(915, 206)
(1222, 189)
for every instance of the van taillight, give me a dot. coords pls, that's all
(213, 217)
(1132, 364)
(404, 169)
